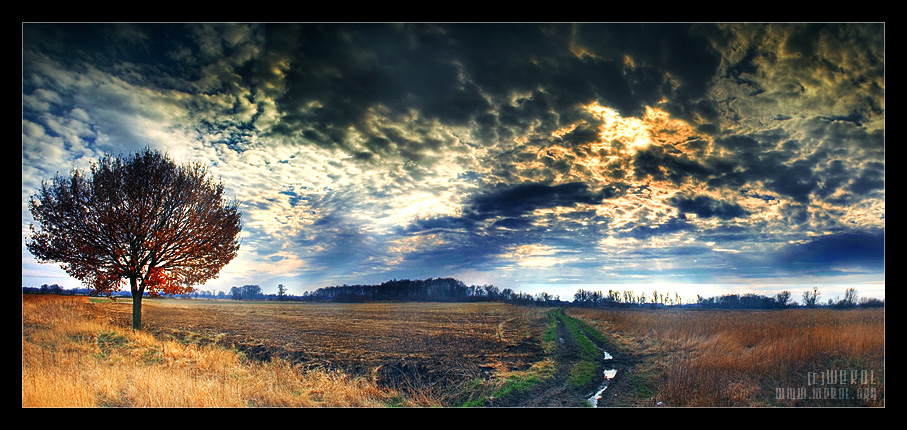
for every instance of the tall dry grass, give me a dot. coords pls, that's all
(73, 357)
(743, 358)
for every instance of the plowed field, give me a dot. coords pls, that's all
(417, 346)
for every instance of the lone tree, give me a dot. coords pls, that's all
(163, 227)
(811, 299)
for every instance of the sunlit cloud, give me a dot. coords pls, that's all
(535, 256)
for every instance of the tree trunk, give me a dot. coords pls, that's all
(136, 305)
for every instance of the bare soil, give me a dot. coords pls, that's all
(417, 346)
(422, 347)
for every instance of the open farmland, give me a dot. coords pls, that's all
(449, 354)
(429, 348)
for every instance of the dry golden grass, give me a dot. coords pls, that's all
(743, 358)
(71, 358)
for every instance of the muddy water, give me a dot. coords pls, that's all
(609, 374)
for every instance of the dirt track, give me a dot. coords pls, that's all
(557, 392)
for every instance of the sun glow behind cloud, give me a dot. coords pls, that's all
(632, 132)
(619, 139)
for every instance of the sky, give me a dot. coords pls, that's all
(700, 158)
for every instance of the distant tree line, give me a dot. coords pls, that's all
(453, 290)
(746, 301)
(782, 300)
(55, 289)
(431, 289)
(587, 299)
(247, 292)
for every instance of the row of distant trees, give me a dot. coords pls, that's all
(781, 300)
(56, 289)
(431, 289)
(452, 290)
(784, 300)
(746, 301)
(86, 291)
(587, 298)
(850, 300)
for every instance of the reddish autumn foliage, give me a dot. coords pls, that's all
(160, 282)
(163, 227)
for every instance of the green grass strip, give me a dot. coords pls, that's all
(584, 372)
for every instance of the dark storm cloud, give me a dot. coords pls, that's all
(534, 110)
(777, 163)
(468, 75)
(340, 73)
(77, 44)
(872, 178)
(511, 207)
(846, 250)
(752, 159)
(672, 61)
(665, 163)
(707, 207)
(841, 254)
(513, 201)
(581, 136)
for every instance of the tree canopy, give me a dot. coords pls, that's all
(163, 227)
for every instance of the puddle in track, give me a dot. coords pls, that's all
(609, 374)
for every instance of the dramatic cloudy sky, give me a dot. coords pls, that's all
(703, 158)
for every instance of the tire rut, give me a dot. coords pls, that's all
(557, 391)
